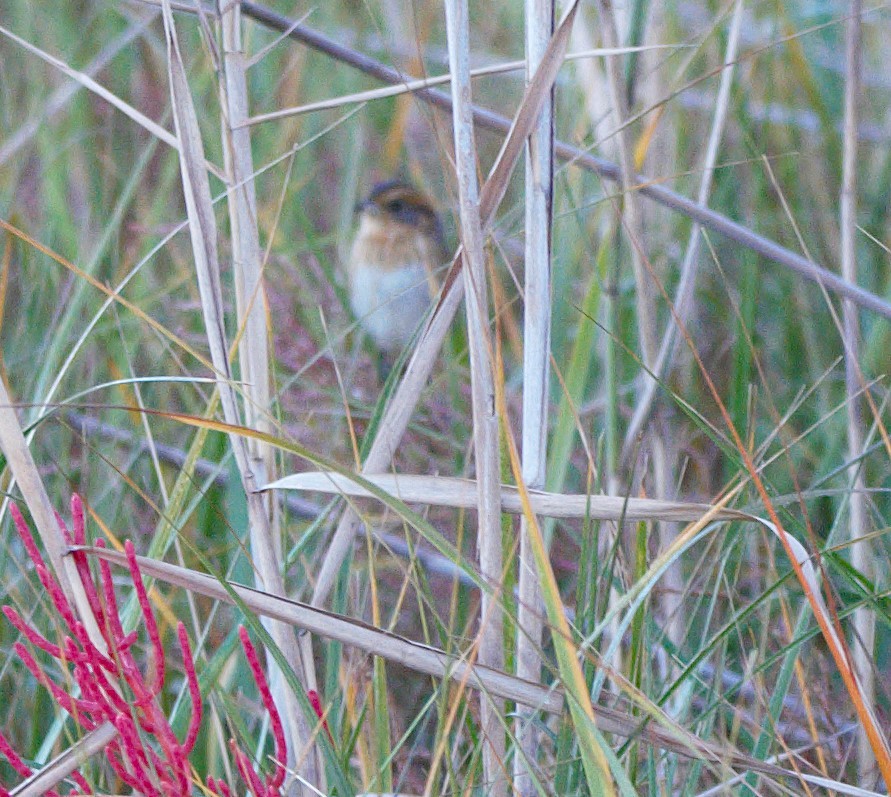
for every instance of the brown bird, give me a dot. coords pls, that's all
(396, 253)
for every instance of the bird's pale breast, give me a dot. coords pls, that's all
(391, 280)
(389, 303)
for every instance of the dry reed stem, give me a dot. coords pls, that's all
(461, 494)
(203, 237)
(539, 187)
(254, 359)
(864, 627)
(70, 760)
(482, 387)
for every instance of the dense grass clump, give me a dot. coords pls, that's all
(620, 527)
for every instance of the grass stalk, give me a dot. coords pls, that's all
(203, 239)
(539, 187)
(485, 416)
(683, 298)
(864, 629)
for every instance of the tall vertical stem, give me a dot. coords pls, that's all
(485, 417)
(861, 553)
(536, 372)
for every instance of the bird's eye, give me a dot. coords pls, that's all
(396, 206)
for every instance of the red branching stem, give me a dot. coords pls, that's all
(81, 782)
(17, 764)
(13, 757)
(57, 596)
(94, 681)
(131, 744)
(118, 762)
(146, 755)
(25, 534)
(77, 520)
(61, 697)
(113, 630)
(88, 652)
(316, 704)
(150, 624)
(86, 579)
(194, 691)
(79, 537)
(66, 535)
(275, 780)
(219, 787)
(31, 634)
(243, 763)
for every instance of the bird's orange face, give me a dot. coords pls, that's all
(393, 262)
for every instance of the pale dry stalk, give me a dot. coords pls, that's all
(253, 357)
(861, 550)
(203, 238)
(536, 374)
(482, 378)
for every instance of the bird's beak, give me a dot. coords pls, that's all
(362, 206)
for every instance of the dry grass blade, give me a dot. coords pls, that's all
(539, 185)
(100, 91)
(199, 210)
(75, 757)
(350, 631)
(461, 493)
(660, 731)
(686, 283)
(413, 86)
(112, 294)
(804, 572)
(25, 473)
(61, 96)
(862, 550)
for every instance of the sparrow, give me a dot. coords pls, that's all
(393, 263)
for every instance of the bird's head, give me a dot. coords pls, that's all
(402, 205)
